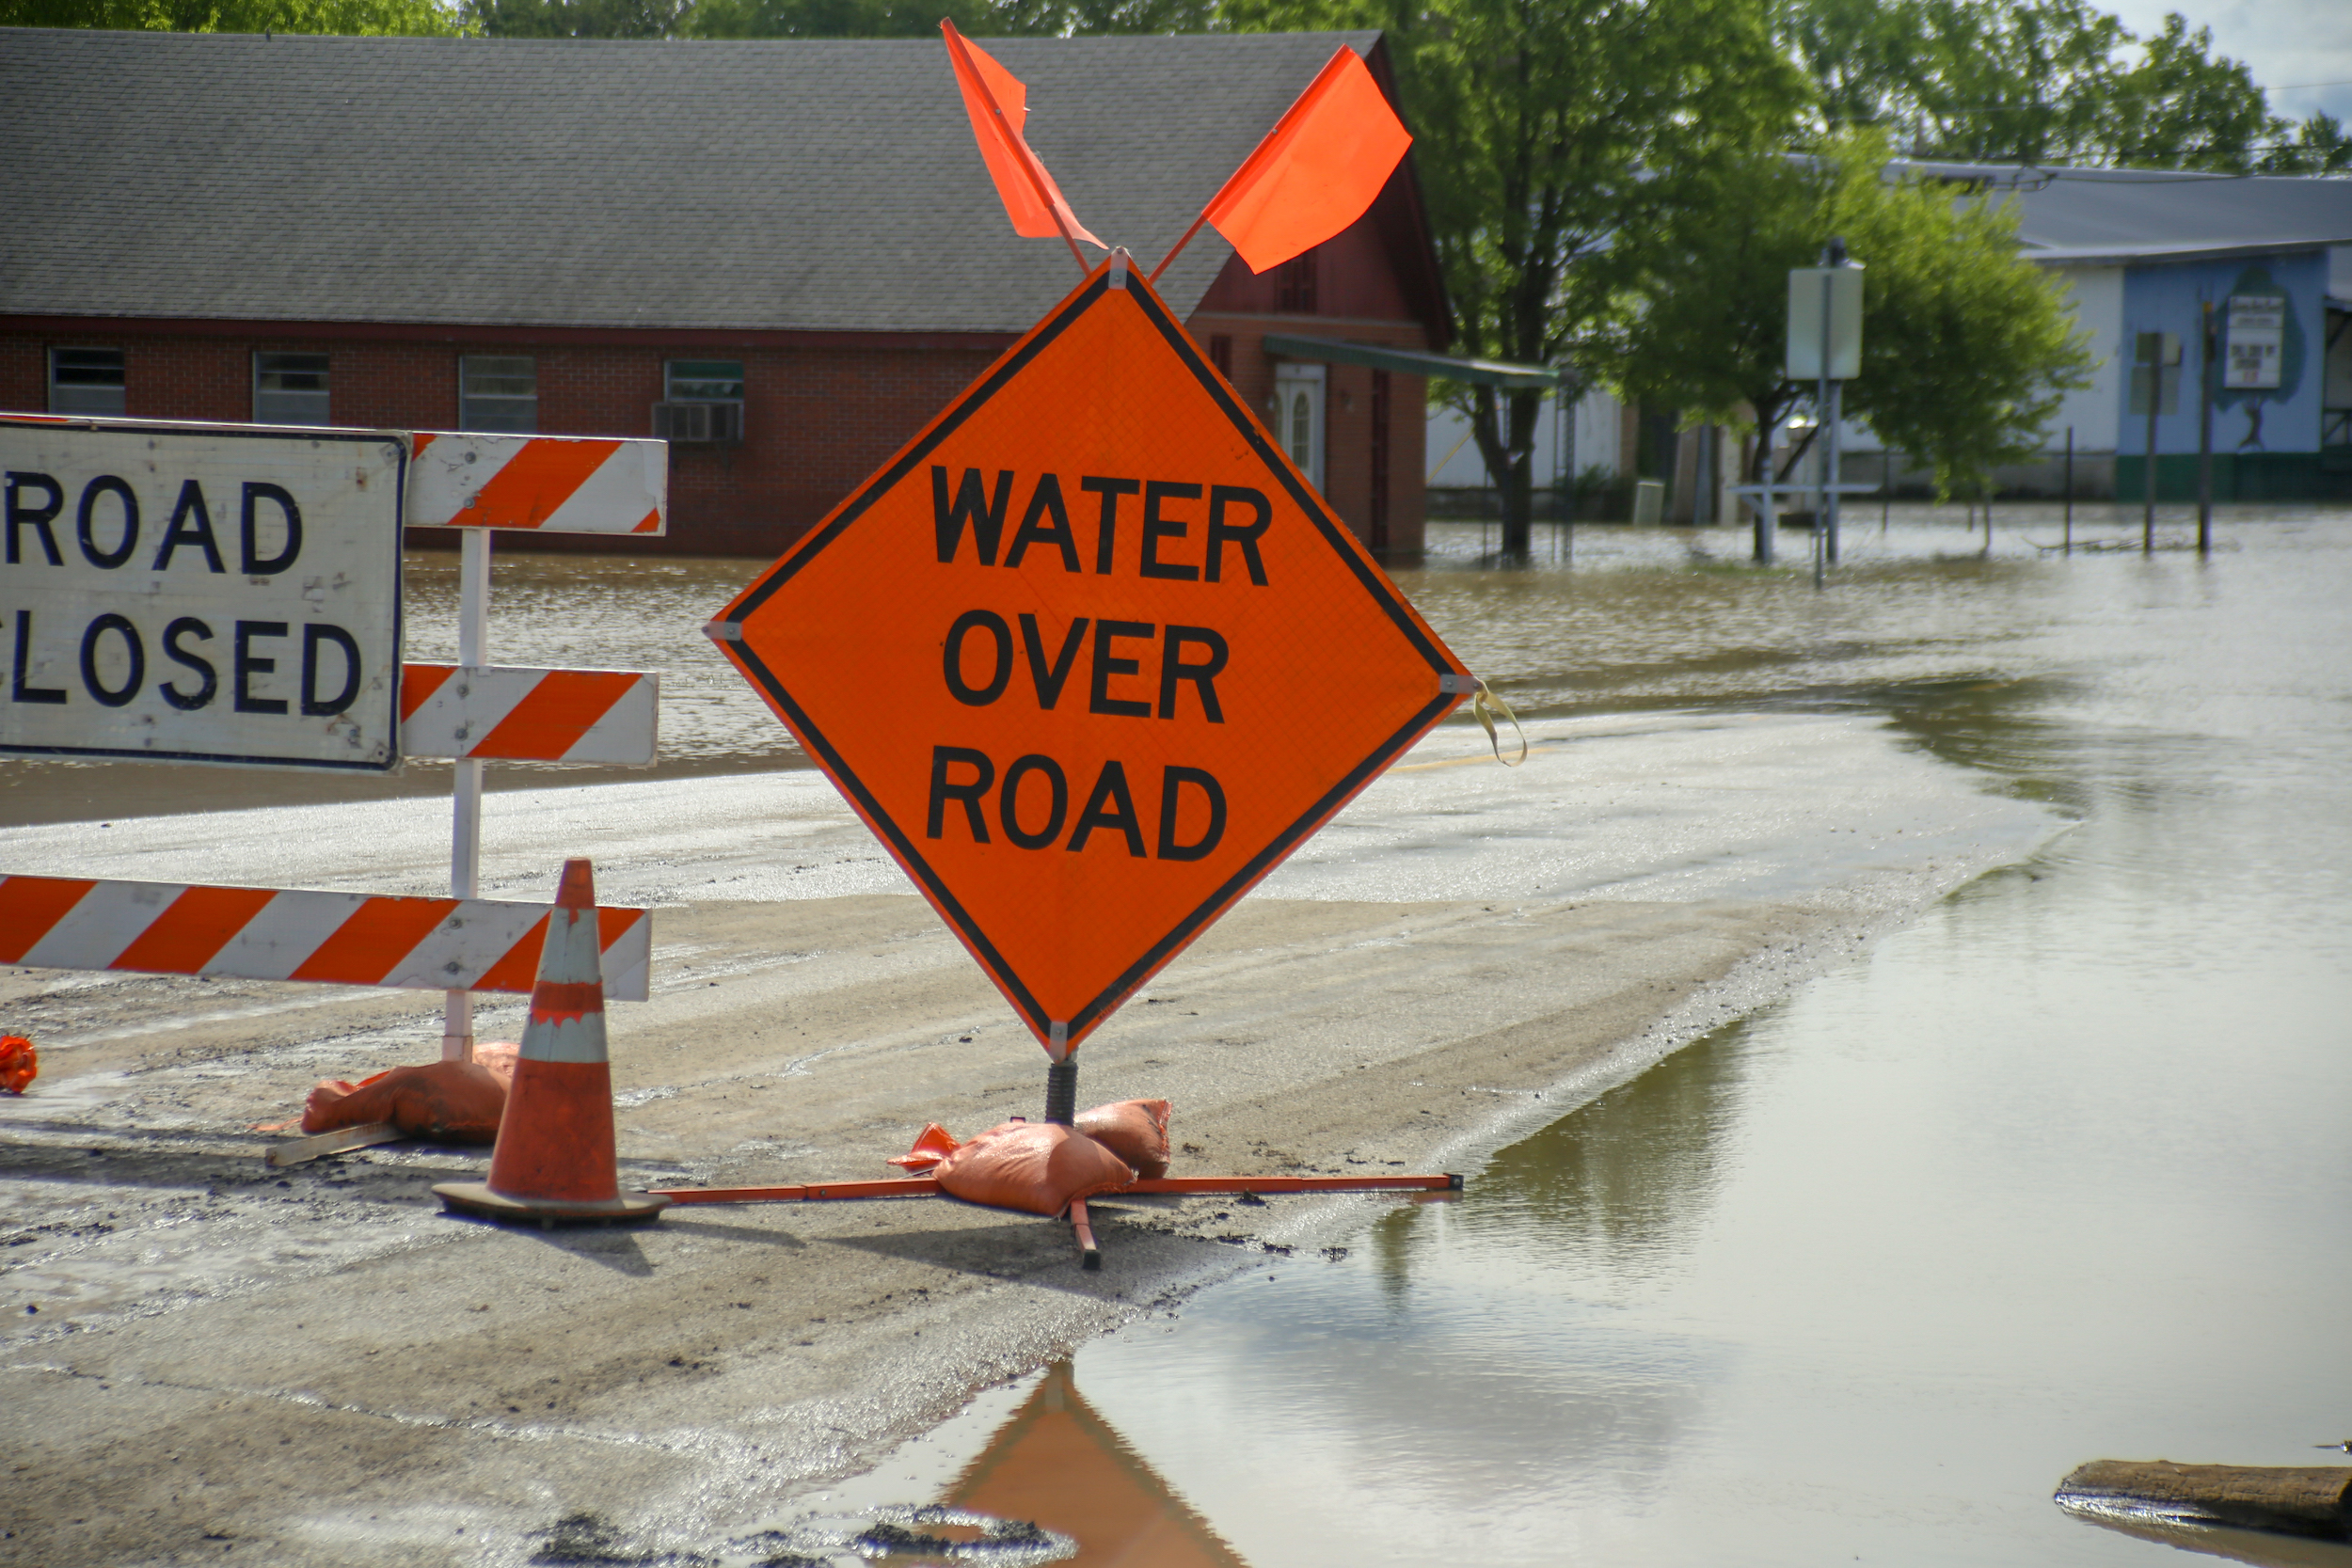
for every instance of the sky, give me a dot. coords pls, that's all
(2285, 44)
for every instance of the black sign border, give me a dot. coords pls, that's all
(1368, 576)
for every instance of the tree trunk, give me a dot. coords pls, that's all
(1505, 430)
(1518, 508)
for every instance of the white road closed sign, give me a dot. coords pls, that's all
(200, 594)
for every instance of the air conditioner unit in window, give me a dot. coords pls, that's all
(698, 421)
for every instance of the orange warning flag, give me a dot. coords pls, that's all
(999, 107)
(1317, 171)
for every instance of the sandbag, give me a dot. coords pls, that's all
(458, 1102)
(1134, 1129)
(931, 1144)
(1035, 1166)
(20, 1064)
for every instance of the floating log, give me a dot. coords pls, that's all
(2314, 1500)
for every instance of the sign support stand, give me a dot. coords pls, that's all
(465, 860)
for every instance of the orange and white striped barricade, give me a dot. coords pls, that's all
(547, 484)
(511, 715)
(477, 483)
(252, 933)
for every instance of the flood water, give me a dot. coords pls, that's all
(2058, 1173)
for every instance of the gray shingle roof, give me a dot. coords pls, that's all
(2079, 213)
(820, 185)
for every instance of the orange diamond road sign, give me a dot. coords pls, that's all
(1089, 656)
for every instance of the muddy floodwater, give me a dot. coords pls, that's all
(2059, 1172)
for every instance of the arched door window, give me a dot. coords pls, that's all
(1299, 417)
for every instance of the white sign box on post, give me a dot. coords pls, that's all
(2257, 332)
(188, 593)
(1810, 290)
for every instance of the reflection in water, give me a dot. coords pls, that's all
(1616, 1190)
(1621, 1186)
(2262, 1548)
(1052, 1481)
(1061, 1463)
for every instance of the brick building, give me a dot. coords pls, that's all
(784, 256)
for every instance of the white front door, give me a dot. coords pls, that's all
(1299, 417)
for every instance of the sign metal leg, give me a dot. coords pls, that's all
(465, 859)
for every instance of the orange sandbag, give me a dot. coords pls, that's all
(1036, 1167)
(457, 1103)
(931, 1144)
(1134, 1129)
(20, 1064)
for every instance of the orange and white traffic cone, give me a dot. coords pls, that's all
(554, 1160)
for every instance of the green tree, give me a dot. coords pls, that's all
(2017, 82)
(821, 18)
(1967, 345)
(2040, 82)
(2181, 106)
(576, 18)
(1539, 127)
(415, 17)
(2318, 145)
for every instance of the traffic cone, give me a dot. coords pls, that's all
(554, 1160)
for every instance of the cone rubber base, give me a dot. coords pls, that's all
(475, 1197)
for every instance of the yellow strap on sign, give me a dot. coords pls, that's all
(1487, 705)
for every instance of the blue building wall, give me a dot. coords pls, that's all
(2266, 443)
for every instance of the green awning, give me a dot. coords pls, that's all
(1486, 372)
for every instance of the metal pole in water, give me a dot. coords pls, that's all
(2070, 489)
(2148, 514)
(1822, 415)
(1767, 514)
(2204, 431)
(1833, 468)
(465, 860)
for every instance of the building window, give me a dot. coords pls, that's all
(289, 389)
(701, 402)
(704, 380)
(498, 392)
(1295, 286)
(86, 381)
(1221, 354)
